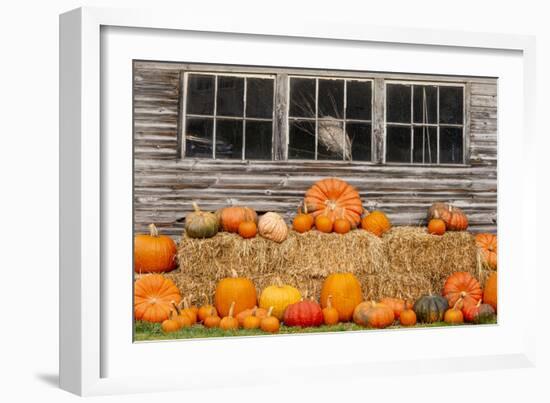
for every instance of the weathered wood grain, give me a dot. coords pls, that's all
(165, 184)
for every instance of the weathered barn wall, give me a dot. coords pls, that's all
(165, 184)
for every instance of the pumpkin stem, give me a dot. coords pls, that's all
(153, 231)
(212, 311)
(185, 303)
(458, 301)
(436, 214)
(176, 308)
(196, 207)
(206, 299)
(231, 309)
(234, 273)
(329, 302)
(278, 281)
(269, 311)
(305, 208)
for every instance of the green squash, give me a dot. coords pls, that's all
(430, 308)
(200, 224)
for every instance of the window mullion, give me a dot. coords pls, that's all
(378, 127)
(316, 118)
(412, 124)
(344, 134)
(280, 118)
(244, 118)
(215, 119)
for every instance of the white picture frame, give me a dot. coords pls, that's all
(96, 355)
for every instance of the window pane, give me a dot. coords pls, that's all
(230, 96)
(200, 94)
(301, 140)
(330, 145)
(360, 139)
(259, 98)
(398, 144)
(398, 103)
(331, 99)
(425, 104)
(302, 97)
(450, 145)
(258, 140)
(425, 145)
(359, 100)
(229, 139)
(450, 105)
(198, 138)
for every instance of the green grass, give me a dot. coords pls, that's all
(144, 331)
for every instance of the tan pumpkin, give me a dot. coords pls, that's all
(273, 227)
(376, 223)
(237, 290)
(201, 224)
(454, 218)
(345, 292)
(487, 244)
(279, 297)
(333, 197)
(154, 296)
(154, 253)
(231, 217)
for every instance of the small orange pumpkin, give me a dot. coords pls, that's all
(248, 229)
(258, 312)
(188, 311)
(330, 314)
(229, 322)
(454, 315)
(323, 223)
(487, 244)
(212, 320)
(376, 223)
(342, 225)
(270, 323)
(303, 221)
(251, 322)
(436, 226)
(170, 325)
(154, 253)
(407, 317)
(205, 310)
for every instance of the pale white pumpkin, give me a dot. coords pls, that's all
(273, 227)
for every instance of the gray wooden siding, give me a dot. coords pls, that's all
(165, 184)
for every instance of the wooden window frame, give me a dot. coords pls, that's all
(281, 103)
(184, 115)
(316, 119)
(465, 122)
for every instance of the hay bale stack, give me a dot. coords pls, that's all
(406, 262)
(413, 253)
(303, 260)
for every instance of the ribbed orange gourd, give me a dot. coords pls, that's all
(487, 244)
(154, 253)
(154, 297)
(334, 197)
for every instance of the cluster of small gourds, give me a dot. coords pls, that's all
(236, 304)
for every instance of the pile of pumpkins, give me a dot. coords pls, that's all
(236, 305)
(330, 205)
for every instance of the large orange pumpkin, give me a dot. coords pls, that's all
(490, 291)
(231, 217)
(154, 253)
(235, 289)
(345, 292)
(376, 222)
(454, 218)
(154, 298)
(487, 244)
(462, 285)
(334, 198)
